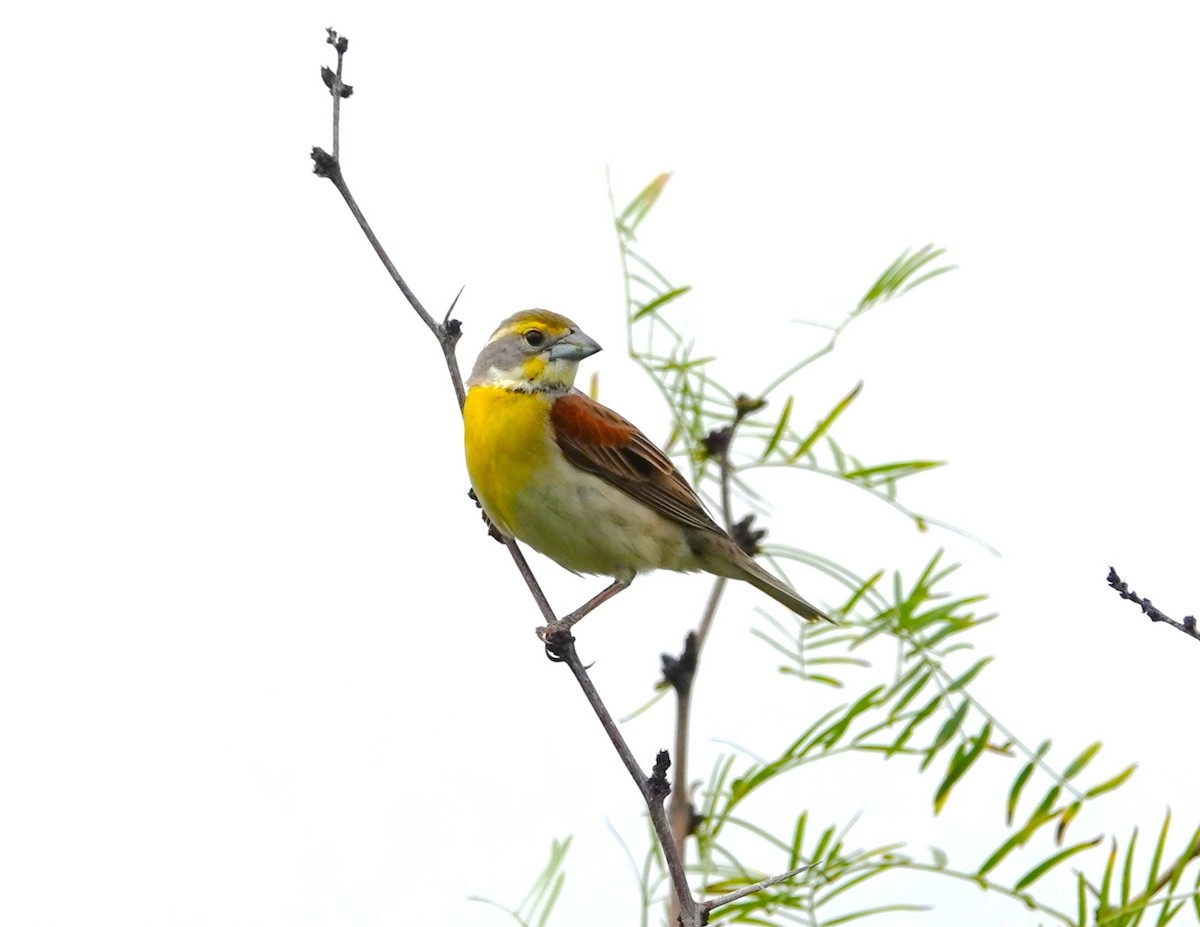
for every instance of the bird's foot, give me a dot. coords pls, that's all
(558, 639)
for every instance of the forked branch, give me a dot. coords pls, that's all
(560, 644)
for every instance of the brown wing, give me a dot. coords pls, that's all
(596, 439)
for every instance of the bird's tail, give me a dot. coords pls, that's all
(723, 557)
(778, 590)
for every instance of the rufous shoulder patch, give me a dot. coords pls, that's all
(583, 422)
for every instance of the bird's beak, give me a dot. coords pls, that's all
(575, 347)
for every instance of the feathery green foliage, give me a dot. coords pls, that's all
(903, 652)
(535, 908)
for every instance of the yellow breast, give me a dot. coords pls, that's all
(506, 435)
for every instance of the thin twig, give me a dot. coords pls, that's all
(712, 903)
(337, 89)
(681, 671)
(1187, 626)
(560, 643)
(449, 330)
(710, 611)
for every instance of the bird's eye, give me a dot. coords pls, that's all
(535, 338)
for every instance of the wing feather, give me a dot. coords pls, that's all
(598, 440)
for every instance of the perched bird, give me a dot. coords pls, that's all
(577, 482)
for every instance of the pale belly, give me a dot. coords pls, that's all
(571, 516)
(588, 526)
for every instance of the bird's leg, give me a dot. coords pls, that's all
(557, 634)
(594, 602)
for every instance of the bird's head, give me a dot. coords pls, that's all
(533, 351)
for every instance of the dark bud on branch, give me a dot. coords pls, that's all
(716, 442)
(747, 537)
(1187, 626)
(743, 405)
(492, 532)
(339, 42)
(330, 80)
(679, 671)
(324, 164)
(659, 787)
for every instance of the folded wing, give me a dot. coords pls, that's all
(598, 440)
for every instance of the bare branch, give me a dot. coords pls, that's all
(751, 889)
(1187, 626)
(560, 644)
(333, 80)
(450, 329)
(680, 672)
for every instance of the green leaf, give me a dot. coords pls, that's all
(641, 204)
(797, 848)
(940, 859)
(659, 301)
(892, 471)
(823, 843)
(1081, 761)
(1065, 820)
(892, 282)
(1127, 874)
(680, 366)
(969, 675)
(929, 708)
(824, 424)
(819, 678)
(839, 456)
(1042, 813)
(963, 757)
(1014, 795)
(861, 591)
(1115, 782)
(1021, 837)
(773, 441)
(836, 731)
(1002, 851)
(882, 283)
(1102, 897)
(871, 912)
(1045, 866)
(912, 692)
(929, 276)
(948, 730)
(1158, 853)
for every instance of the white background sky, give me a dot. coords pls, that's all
(259, 664)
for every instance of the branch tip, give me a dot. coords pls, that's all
(453, 303)
(716, 442)
(746, 536)
(744, 405)
(708, 906)
(339, 42)
(1187, 626)
(679, 671)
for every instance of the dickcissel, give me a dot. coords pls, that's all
(574, 480)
